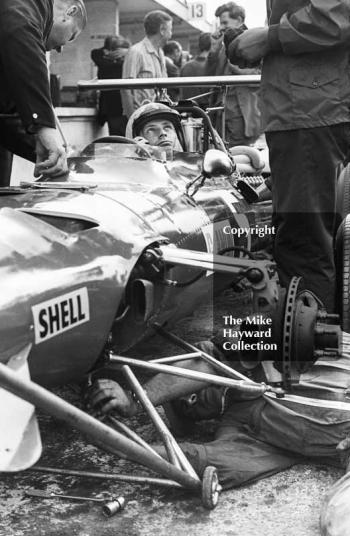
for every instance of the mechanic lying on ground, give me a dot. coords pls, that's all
(255, 437)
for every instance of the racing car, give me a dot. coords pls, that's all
(128, 241)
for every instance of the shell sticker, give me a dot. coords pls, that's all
(60, 314)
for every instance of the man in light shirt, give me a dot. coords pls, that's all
(146, 59)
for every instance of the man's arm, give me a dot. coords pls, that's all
(104, 58)
(172, 69)
(51, 156)
(211, 63)
(23, 56)
(132, 99)
(98, 57)
(133, 67)
(23, 29)
(321, 25)
(107, 395)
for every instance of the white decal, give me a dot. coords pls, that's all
(208, 234)
(60, 314)
(215, 237)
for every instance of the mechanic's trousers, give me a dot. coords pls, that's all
(117, 125)
(304, 165)
(13, 140)
(258, 438)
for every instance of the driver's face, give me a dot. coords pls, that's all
(160, 132)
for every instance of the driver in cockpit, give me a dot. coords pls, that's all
(157, 125)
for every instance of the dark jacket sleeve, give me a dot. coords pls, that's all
(320, 25)
(211, 64)
(171, 69)
(98, 57)
(24, 27)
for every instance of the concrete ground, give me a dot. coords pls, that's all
(287, 504)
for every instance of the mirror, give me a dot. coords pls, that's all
(217, 163)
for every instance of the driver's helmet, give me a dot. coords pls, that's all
(149, 111)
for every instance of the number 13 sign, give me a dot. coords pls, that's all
(196, 10)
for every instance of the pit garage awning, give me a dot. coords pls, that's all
(180, 9)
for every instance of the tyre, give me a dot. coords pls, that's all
(342, 250)
(210, 488)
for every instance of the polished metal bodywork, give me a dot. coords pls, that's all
(74, 247)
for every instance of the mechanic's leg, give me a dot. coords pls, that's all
(235, 131)
(117, 125)
(239, 460)
(258, 438)
(5, 166)
(304, 165)
(311, 431)
(237, 451)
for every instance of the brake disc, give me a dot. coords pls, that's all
(287, 335)
(308, 332)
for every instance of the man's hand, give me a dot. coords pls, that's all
(141, 139)
(251, 45)
(217, 41)
(119, 53)
(115, 55)
(51, 158)
(107, 395)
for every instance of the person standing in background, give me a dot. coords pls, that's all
(146, 59)
(29, 28)
(173, 54)
(197, 67)
(109, 61)
(242, 114)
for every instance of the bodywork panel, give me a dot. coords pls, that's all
(70, 251)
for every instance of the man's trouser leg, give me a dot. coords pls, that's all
(117, 125)
(13, 140)
(237, 453)
(258, 438)
(5, 167)
(305, 164)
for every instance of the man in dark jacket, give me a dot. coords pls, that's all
(109, 61)
(28, 28)
(196, 67)
(305, 93)
(242, 113)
